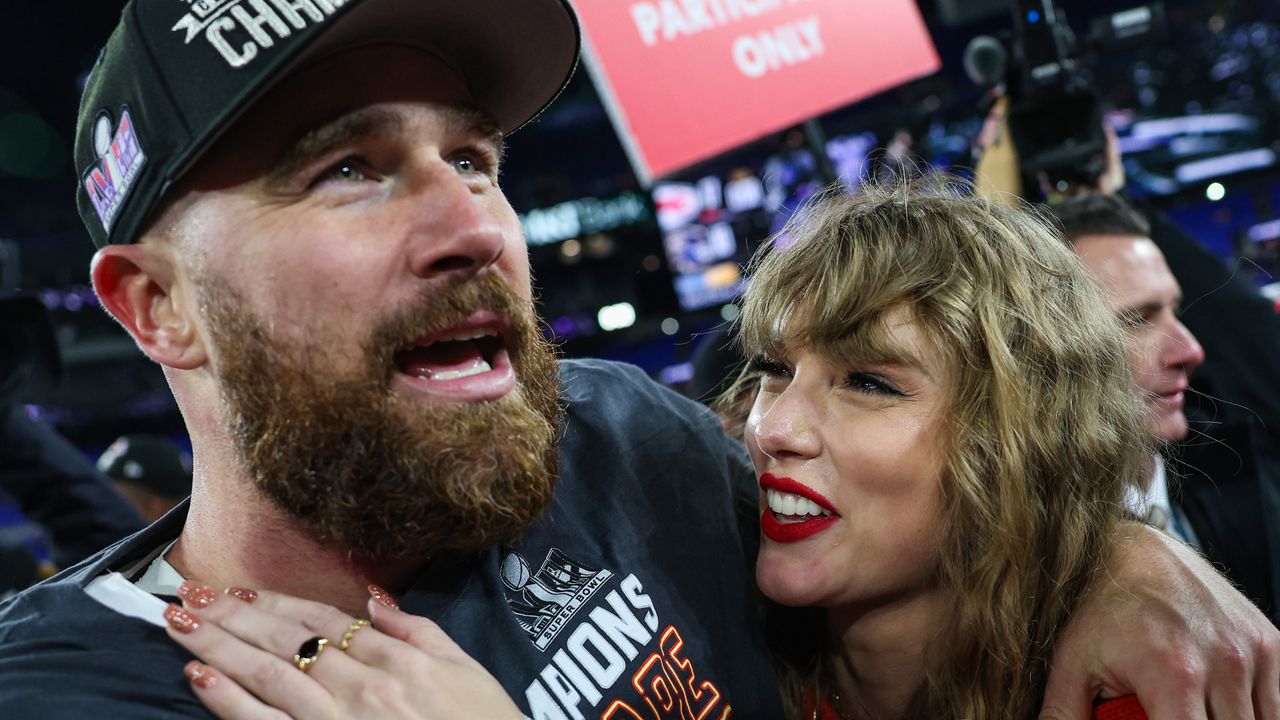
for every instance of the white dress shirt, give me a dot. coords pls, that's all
(1155, 507)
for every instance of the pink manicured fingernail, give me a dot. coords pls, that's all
(244, 594)
(383, 597)
(197, 596)
(181, 619)
(200, 675)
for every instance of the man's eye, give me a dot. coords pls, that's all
(347, 170)
(1134, 320)
(468, 165)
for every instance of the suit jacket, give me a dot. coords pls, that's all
(1230, 489)
(1226, 478)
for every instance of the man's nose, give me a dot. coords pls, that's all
(456, 224)
(1182, 350)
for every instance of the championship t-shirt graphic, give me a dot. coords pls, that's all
(609, 656)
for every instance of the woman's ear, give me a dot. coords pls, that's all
(145, 292)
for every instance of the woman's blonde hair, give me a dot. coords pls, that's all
(1043, 426)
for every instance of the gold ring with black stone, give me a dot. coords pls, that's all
(351, 630)
(309, 652)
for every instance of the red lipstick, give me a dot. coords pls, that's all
(790, 532)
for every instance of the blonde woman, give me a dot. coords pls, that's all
(942, 424)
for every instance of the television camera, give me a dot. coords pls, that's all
(1054, 113)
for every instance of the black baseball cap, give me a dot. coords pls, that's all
(152, 462)
(175, 74)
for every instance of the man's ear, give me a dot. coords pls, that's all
(144, 291)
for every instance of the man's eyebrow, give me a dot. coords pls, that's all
(367, 122)
(319, 141)
(474, 121)
(1140, 309)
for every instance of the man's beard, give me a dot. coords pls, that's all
(359, 467)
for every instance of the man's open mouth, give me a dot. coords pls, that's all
(469, 361)
(455, 354)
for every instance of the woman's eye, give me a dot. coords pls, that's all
(871, 384)
(773, 376)
(768, 367)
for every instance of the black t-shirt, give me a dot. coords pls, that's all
(632, 597)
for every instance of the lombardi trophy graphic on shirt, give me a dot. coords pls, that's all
(543, 602)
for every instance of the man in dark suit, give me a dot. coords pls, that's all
(1216, 481)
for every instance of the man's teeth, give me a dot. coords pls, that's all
(479, 366)
(472, 334)
(788, 504)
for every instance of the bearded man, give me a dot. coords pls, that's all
(298, 215)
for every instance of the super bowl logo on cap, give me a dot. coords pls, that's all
(120, 158)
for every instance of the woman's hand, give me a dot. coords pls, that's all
(1165, 625)
(401, 666)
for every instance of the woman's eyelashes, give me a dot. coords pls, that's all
(861, 381)
(768, 367)
(871, 384)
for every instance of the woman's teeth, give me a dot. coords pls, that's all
(793, 505)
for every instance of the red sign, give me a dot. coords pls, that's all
(687, 79)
